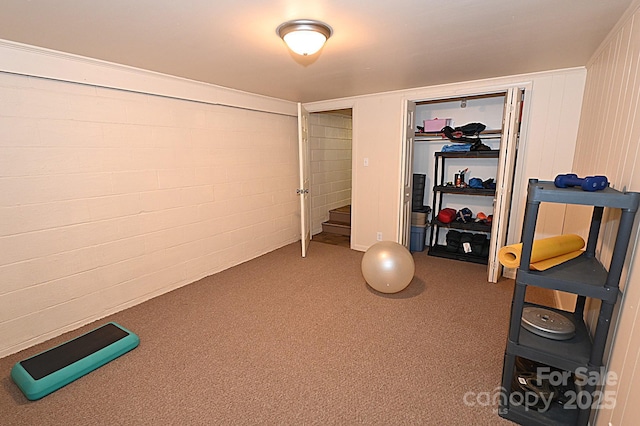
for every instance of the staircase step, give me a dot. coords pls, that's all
(336, 227)
(341, 214)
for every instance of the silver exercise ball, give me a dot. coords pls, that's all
(388, 267)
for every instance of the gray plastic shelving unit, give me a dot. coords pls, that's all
(584, 276)
(439, 189)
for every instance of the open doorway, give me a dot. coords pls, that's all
(330, 138)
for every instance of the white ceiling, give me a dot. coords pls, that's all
(377, 45)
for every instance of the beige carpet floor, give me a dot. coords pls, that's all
(286, 340)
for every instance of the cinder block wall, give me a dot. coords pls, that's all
(109, 198)
(330, 140)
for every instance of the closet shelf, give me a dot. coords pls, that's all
(470, 226)
(485, 134)
(464, 191)
(494, 153)
(438, 250)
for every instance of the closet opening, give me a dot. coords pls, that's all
(462, 177)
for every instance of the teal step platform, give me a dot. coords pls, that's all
(48, 371)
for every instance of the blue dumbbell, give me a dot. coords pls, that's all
(590, 183)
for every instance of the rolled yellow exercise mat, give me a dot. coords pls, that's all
(545, 253)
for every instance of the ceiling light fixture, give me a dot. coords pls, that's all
(304, 36)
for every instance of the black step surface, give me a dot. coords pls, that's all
(57, 358)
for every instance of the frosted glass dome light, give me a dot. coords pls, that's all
(304, 36)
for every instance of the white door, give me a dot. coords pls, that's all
(303, 190)
(504, 179)
(407, 174)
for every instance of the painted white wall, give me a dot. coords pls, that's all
(552, 110)
(79, 156)
(609, 144)
(23, 59)
(111, 197)
(330, 140)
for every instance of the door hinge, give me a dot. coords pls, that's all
(302, 191)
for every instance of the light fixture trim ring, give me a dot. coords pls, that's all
(304, 25)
